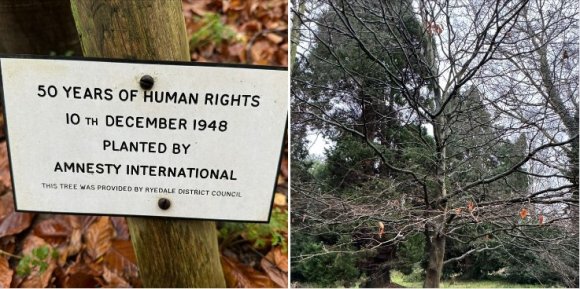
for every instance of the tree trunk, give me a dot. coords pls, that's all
(37, 27)
(170, 252)
(296, 23)
(570, 120)
(435, 243)
(435, 252)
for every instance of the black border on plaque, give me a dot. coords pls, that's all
(135, 61)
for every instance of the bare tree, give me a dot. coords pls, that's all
(449, 70)
(541, 60)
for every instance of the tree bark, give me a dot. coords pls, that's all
(37, 27)
(295, 34)
(436, 252)
(568, 117)
(170, 252)
(435, 243)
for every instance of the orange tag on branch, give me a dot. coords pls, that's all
(523, 213)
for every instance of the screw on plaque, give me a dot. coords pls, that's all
(146, 82)
(164, 203)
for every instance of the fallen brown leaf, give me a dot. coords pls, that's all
(279, 199)
(80, 275)
(54, 231)
(274, 37)
(233, 5)
(8, 244)
(284, 165)
(95, 266)
(254, 4)
(75, 242)
(261, 52)
(237, 50)
(62, 232)
(241, 276)
(113, 280)
(279, 258)
(275, 264)
(121, 228)
(5, 273)
(282, 57)
(13, 222)
(121, 259)
(98, 237)
(81, 279)
(5, 178)
(198, 7)
(87, 221)
(251, 26)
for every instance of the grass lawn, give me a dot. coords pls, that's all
(399, 278)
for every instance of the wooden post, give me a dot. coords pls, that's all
(170, 252)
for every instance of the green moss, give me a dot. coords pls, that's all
(212, 30)
(260, 234)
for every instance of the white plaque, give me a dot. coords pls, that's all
(86, 136)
